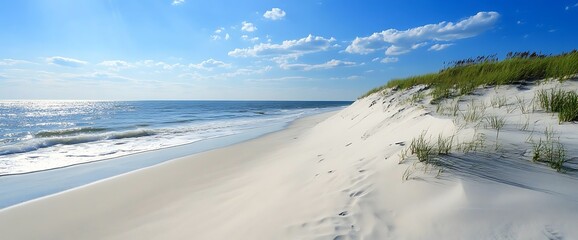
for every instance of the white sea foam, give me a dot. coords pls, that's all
(48, 149)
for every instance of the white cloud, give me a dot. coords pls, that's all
(389, 60)
(248, 27)
(399, 42)
(67, 62)
(246, 38)
(307, 67)
(398, 50)
(11, 62)
(275, 14)
(209, 64)
(352, 77)
(155, 64)
(418, 45)
(194, 76)
(289, 48)
(220, 34)
(244, 72)
(105, 76)
(439, 47)
(177, 2)
(167, 66)
(115, 63)
(279, 79)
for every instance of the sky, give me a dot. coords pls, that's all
(257, 50)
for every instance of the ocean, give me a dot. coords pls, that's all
(42, 135)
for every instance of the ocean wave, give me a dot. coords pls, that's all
(38, 143)
(132, 134)
(66, 132)
(181, 121)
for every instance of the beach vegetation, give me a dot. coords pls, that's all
(426, 167)
(408, 172)
(477, 143)
(530, 137)
(417, 97)
(422, 148)
(456, 108)
(444, 145)
(550, 152)
(498, 101)
(440, 109)
(464, 76)
(565, 103)
(496, 123)
(448, 108)
(549, 133)
(403, 154)
(414, 98)
(426, 151)
(521, 102)
(524, 126)
(474, 113)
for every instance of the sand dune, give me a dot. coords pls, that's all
(344, 175)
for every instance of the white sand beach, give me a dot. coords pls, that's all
(343, 175)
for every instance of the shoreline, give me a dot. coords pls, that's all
(125, 129)
(56, 214)
(15, 188)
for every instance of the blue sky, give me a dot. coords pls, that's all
(256, 50)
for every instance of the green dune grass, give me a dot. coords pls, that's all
(464, 76)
